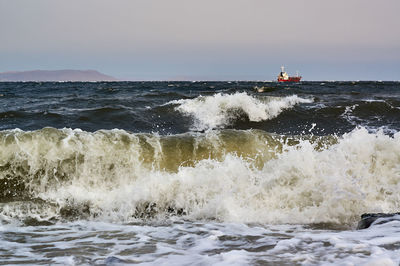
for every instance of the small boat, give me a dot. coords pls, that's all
(284, 77)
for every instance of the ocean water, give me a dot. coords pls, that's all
(198, 173)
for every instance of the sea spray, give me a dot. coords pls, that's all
(242, 176)
(141, 184)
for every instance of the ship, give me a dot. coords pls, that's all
(284, 77)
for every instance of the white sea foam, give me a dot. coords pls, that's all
(221, 109)
(187, 243)
(302, 184)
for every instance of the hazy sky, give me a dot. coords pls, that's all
(204, 39)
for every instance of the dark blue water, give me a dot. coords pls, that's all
(336, 107)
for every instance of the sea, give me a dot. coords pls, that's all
(199, 173)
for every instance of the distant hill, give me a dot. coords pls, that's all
(55, 75)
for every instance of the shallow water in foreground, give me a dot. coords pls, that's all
(198, 173)
(198, 243)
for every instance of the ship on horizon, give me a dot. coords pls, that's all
(284, 77)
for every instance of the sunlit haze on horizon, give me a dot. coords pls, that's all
(211, 40)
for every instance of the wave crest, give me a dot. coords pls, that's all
(221, 109)
(244, 176)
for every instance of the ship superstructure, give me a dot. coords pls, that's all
(284, 77)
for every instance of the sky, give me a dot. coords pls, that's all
(204, 39)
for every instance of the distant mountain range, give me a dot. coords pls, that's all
(55, 75)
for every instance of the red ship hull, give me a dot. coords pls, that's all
(290, 79)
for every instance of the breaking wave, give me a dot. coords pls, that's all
(243, 176)
(220, 110)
